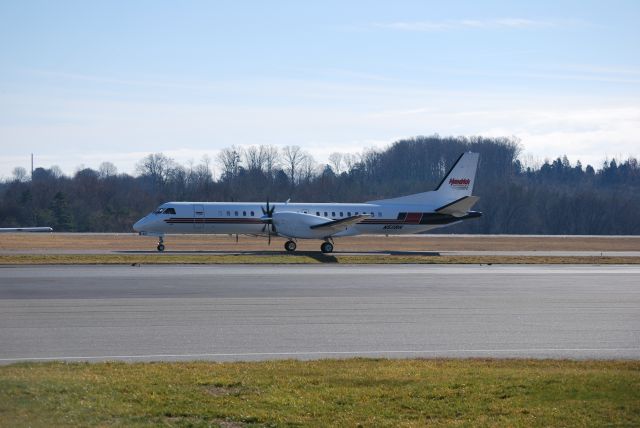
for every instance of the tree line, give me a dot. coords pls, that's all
(555, 197)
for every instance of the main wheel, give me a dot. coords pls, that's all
(290, 246)
(326, 247)
(160, 247)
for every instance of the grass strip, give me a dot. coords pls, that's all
(299, 258)
(353, 392)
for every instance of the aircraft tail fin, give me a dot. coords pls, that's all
(456, 184)
(461, 177)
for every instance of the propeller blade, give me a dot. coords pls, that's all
(267, 212)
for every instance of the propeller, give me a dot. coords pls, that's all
(267, 219)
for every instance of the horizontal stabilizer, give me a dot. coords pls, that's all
(26, 229)
(459, 207)
(335, 226)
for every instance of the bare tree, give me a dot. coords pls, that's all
(293, 157)
(308, 168)
(203, 170)
(229, 159)
(19, 174)
(199, 175)
(336, 162)
(349, 160)
(157, 166)
(206, 162)
(254, 158)
(107, 169)
(271, 159)
(56, 171)
(202, 174)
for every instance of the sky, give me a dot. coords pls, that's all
(86, 82)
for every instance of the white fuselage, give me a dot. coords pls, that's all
(448, 204)
(245, 218)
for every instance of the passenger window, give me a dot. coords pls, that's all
(326, 214)
(244, 213)
(236, 212)
(252, 214)
(340, 213)
(348, 213)
(356, 212)
(333, 214)
(318, 213)
(228, 213)
(372, 214)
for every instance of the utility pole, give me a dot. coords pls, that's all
(31, 166)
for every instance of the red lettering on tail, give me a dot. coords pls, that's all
(459, 182)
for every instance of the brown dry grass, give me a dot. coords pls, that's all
(65, 242)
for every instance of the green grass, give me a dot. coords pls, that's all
(355, 392)
(298, 258)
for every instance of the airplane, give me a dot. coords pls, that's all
(25, 229)
(448, 204)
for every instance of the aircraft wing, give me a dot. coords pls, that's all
(459, 207)
(335, 226)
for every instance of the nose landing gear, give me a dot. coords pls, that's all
(160, 246)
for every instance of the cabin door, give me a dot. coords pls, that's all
(198, 218)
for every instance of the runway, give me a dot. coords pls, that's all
(240, 312)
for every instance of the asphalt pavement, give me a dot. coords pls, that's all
(249, 312)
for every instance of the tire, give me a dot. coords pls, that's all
(160, 247)
(326, 247)
(290, 246)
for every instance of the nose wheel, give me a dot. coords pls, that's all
(290, 246)
(160, 246)
(326, 247)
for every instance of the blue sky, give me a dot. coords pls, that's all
(86, 82)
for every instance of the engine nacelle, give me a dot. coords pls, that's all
(297, 225)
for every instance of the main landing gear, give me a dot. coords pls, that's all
(160, 246)
(290, 246)
(326, 247)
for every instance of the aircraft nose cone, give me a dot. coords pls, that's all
(138, 225)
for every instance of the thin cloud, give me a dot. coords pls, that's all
(468, 24)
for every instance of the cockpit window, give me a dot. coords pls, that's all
(165, 211)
